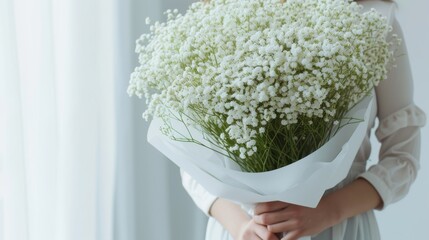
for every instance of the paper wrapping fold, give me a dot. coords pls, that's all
(302, 182)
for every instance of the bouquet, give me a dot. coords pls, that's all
(261, 100)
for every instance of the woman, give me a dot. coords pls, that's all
(346, 211)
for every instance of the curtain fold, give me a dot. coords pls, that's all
(11, 138)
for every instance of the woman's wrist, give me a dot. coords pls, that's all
(329, 204)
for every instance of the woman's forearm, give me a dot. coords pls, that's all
(230, 215)
(355, 198)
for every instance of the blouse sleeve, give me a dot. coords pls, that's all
(400, 121)
(201, 197)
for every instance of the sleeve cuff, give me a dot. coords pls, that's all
(207, 203)
(380, 187)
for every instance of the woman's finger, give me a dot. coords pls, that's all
(269, 207)
(263, 233)
(293, 235)
(286, 226)
(274, 217)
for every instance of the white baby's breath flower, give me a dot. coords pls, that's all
(244, 65)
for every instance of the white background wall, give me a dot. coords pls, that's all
(409, 218)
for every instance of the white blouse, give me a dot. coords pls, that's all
(398, 131)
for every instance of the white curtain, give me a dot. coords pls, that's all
(74, 162)
(57, 122)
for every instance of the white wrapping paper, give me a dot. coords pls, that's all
(302, 183)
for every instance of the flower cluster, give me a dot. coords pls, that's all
(252, 74)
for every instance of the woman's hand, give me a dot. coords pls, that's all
(236, 221)
(355, 198)
(296, 221)
(253, 231)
